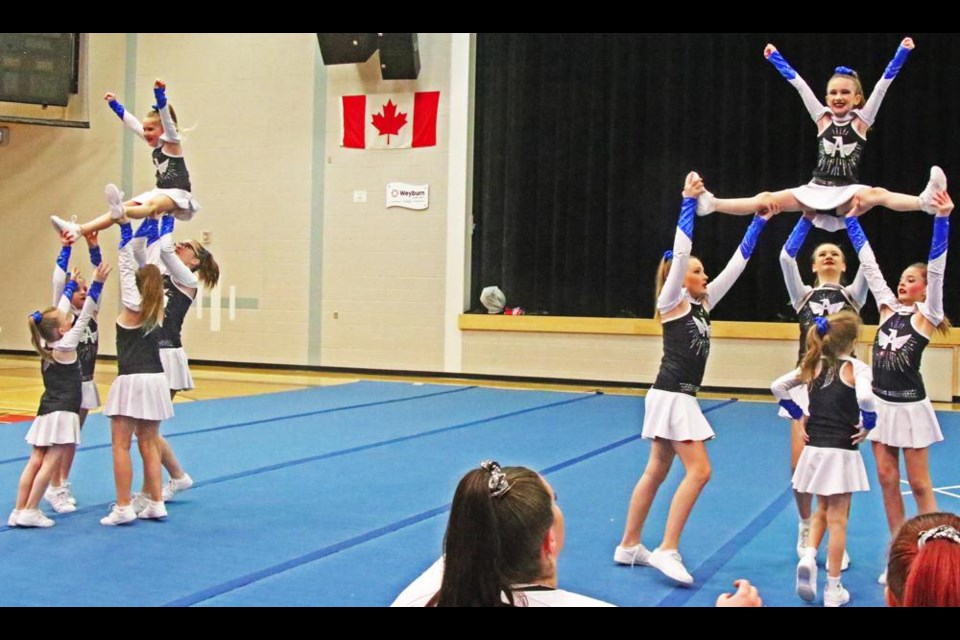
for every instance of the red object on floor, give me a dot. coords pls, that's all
(11, 418)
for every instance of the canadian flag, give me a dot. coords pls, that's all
(389, 120)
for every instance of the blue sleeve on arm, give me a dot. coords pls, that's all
(749, 242)
(941, 237)
(688, 210)
(894, 67)
(94, 291)
(69, 289)
(149, 229)
(797, 236)
(161, 95)
(126, 234)
(64, 258)
(855, 231)
(166, 225)
(95, 256)
(869, 419)
(782, 65)
(117, 108)
(792, 408)
(153, 231)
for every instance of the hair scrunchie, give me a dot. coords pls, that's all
(823, 326)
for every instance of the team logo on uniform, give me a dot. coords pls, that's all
(891, 340)
(826, 378)
(838, 148)
(700, 340)
(894, 352)
(825, 307)
(89, 336)
(161, 166)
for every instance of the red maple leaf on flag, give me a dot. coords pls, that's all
(389, 122)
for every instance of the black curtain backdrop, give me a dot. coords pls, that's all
(582, 142)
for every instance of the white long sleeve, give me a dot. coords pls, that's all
(129, 294)
(796, 288)
(869, 111)
(130, 122)
(671, 294)
(814, 107)
(782, 385)
(932, 309)
(170, 133)
(878, 285)
(863, 381)
(721, 285)
(858, 289)
(72, 338)
(179, 273)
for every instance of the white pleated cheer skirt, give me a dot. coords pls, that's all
(823, 198)
(140, 395)
(91, 395)
(826, 471)
(799, 395)
(187, 205)
(674, 416)
(58, 427)
(908, 425)
(176, 369)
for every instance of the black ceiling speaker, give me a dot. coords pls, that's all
(346, 48)
(399, 56)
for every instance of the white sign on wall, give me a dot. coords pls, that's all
(408, 196)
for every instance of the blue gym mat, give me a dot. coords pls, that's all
(337, 496)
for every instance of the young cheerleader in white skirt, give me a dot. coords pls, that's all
(842, 126)
(55, 337)
(828, 295)
(830, 466)
(672, 418)
(139, 399)
(173, 193)
(908, 320)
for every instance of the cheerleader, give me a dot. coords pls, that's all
(60, 492)
(672, 417)
(830, 466)
(842, 126)
(55, 337)
(173, 192)
(908, 319)
(139, 399)
(827, 296)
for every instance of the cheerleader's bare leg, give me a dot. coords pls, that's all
(879, 197)
(168, 459)
(148, 434)
(818, 523)
(804, 500)
(131, 209)
(49, 464)
(918, 475)
(28, 475)
(658, 466)
(693, 455)
(153, 207)
(838, 505)
(765, 201)
(66, 460)
(888, 473)
(121, 433)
